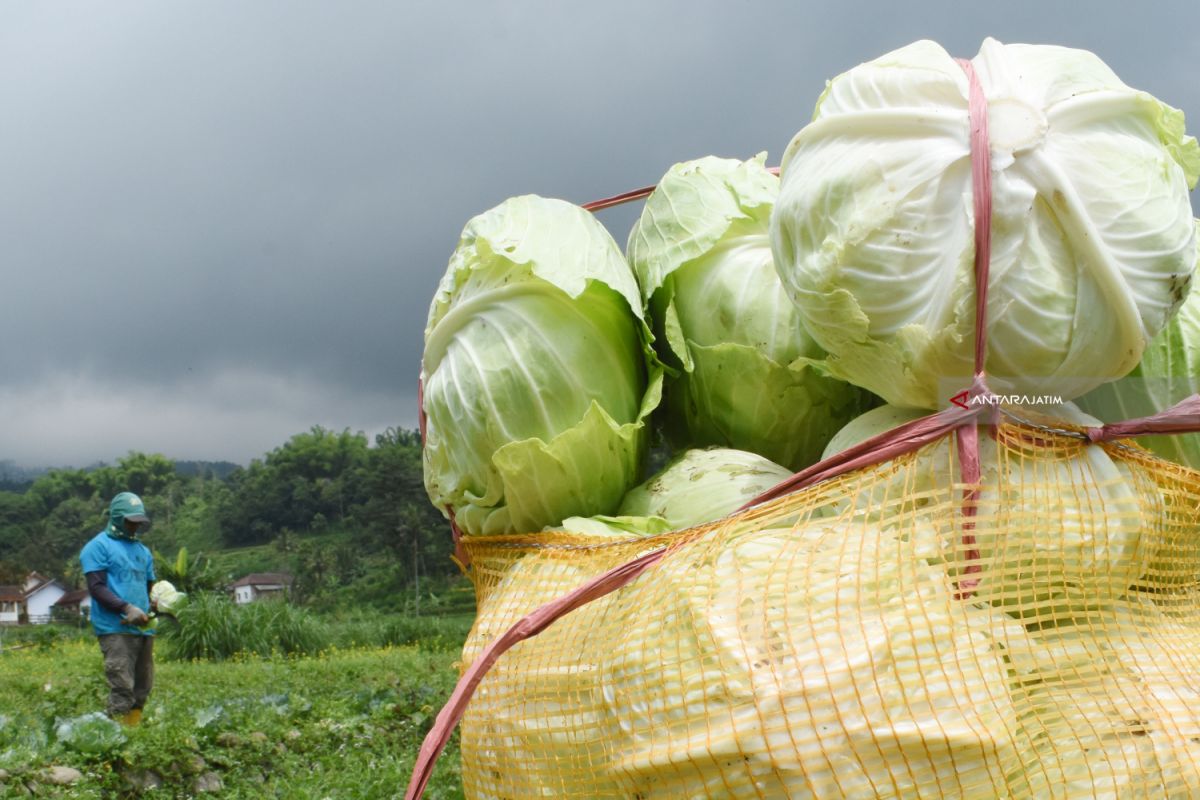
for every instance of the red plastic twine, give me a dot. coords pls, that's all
(968, 433)
(1183, 417)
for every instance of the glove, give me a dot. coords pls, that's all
(135, 616)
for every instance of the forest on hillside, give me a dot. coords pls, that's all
(332, 507)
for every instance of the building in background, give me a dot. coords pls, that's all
(41, 593)
(74, 605)
(260, 585)
(30, 603)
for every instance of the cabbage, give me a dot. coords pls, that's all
(1056, 528)
(94, 733)
(748, 374)
(825, 661)
(1093, 244)
(536, 384)
(166, 598)
(1169, 372)
(700, 486)
(1120, 686)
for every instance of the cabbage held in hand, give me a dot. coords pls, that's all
(700, 486)
(748, 374)
(166, 598)
(1168, 373)
(1092, 236)
(535, 373)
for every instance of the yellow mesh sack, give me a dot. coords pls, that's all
(823, 646)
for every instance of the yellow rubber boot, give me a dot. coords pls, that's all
(132, 718)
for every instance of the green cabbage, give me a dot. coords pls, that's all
(1055, 529)
(1169, 372)
(700, 486)
(94, 733)
(536, 378)
(824, 661)
(1093, 244)
(749, 376)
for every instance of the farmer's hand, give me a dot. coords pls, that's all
(135, 616)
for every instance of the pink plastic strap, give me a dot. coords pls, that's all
(968, 457)
(888, 445)
(531, 625)
(981, 191)
(1183, 417)
(981, 186)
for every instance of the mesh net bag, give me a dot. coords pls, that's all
(944, 610)
(819, 645)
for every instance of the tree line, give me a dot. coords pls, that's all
(320, 482)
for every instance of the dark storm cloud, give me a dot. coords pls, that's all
(223, 222)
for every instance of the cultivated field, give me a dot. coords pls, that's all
(345, 723)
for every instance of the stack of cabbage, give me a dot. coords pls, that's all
(765, 318)
(546, 353)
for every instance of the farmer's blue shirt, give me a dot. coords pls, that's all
(129, 565)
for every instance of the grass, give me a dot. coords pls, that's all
(346, 722)
(212, 627)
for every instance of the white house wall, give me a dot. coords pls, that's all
(39, 603)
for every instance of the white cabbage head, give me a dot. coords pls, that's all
(536, 376)
(1093, 244)
(700, 486)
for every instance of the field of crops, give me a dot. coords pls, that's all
(344, 723)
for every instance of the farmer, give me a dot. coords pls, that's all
(119, 571)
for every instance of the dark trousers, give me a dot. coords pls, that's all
(129, 669)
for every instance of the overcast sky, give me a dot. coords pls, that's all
(221, 222)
